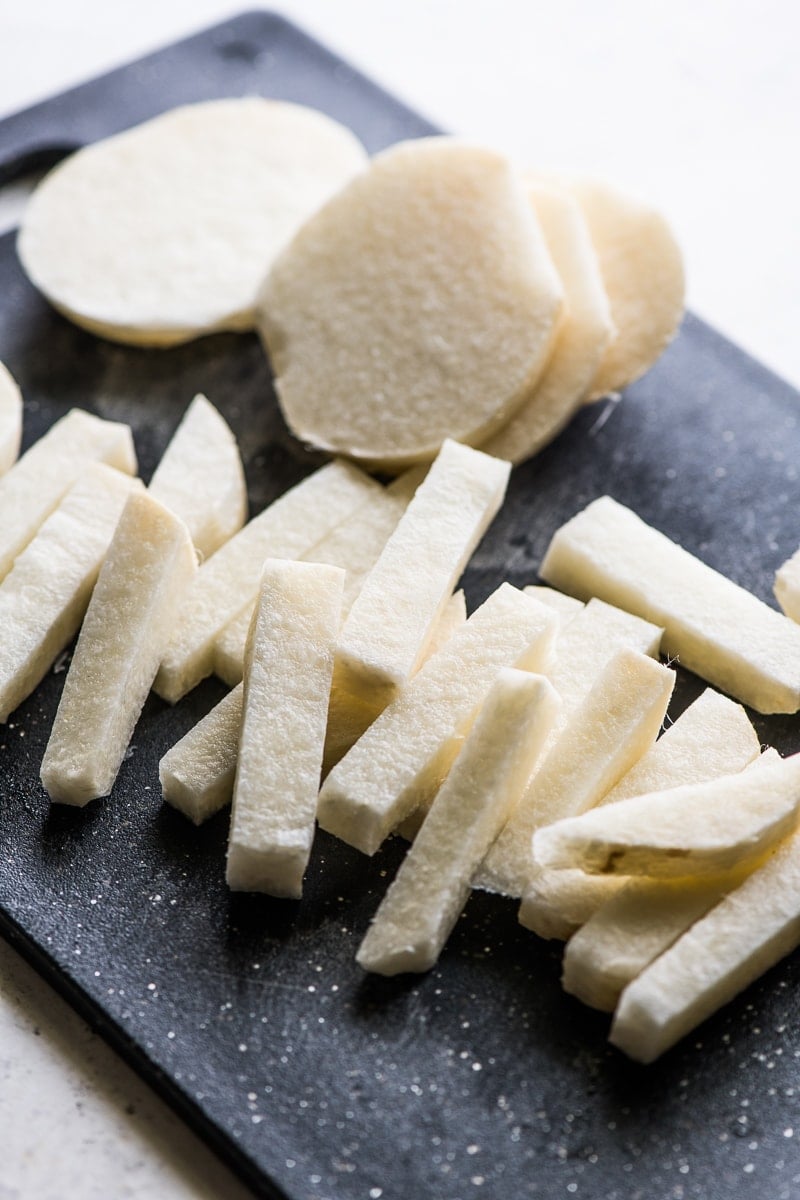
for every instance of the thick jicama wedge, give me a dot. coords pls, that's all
(45, 594)
(201, 478)
(10, 419)
(228, 582)
(423, 903)
(787, 586)
(403, 757)
(712, 737)
(34, 486)
(715, 628)
(287, 678)
(643, 276)
(165, 232)
(387, 630)
(585, 332)
(566, 606)
(640, 922)
(355, 545)
(138, 594)
(742, 936)
(607, 733)
(197, 774)
(696, 829)
(428, 281)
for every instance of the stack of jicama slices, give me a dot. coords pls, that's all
(434, 313)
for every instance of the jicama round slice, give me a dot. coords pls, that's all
(420, 303)
(642, 271)
(586, 331)
(164, 232)
(10, 419)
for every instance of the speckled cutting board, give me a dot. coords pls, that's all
(481, 1078)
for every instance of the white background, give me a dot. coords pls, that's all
(694, 103)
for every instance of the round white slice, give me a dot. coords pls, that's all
(10, 419)
(586, 330)
(164, 232)
(642, 271)
(420, 303)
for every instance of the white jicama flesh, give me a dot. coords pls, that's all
(228, 582)
(423, 903)
(787, 587)
(607, 733)
(10, 419)
(384, 637)
(696, 829)
(566, 606)
(632, 928)
(643, 276)
(355, 545)
(712, 737)
(638, 923)
(34, 486)
(349, 716)
(45, 594)
(403, 757)
(287, 678)
(201, 478)
(587, 645)
(716, 629)
(138, 594)
(585, 332)
(427, 279)
(197, 773)
(738, 940)
(165, 232)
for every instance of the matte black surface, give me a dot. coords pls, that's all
(481, 1078)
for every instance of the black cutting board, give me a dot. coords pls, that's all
(248, 1014)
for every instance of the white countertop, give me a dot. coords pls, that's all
(696, 104)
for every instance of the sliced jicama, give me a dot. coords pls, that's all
(712, 737)
(355, 545)
(384, 637)
(587, 645)
(287, 678)
(696, 829)
(428, 285)
(787, 586)
(228, 581)
(201, 478)
(643, 276)
(607, 733)
(403, 757)
(45, 594)
(349, 716)
(197, 774)
(637, 924)
(585, 332)
(10, 419)
(165, 232)
(715, 628)
(33, 487)
(138, 594)
(423, 903)
(739, 939)
(566, 606)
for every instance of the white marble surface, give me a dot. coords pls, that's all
(695, 104)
